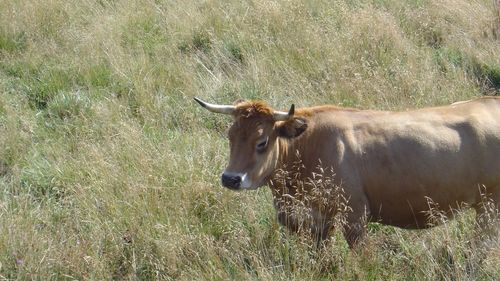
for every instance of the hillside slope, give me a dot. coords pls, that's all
(109, 170)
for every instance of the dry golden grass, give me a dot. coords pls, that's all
(109, 170)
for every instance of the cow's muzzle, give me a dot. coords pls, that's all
(231, 181)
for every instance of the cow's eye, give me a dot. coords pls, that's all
(261, 145)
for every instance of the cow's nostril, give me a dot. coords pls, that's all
(231, 181)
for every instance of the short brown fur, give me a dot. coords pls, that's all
(390, 164)
(249, 109)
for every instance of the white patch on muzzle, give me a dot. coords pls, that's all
(246, 182)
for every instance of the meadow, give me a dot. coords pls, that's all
(110, 171)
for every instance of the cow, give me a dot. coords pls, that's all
(392, 167)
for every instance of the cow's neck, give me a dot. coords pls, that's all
(297, 156)
(288, 160)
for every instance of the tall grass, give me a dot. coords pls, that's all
(108, 170)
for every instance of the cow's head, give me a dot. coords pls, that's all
(253, 140)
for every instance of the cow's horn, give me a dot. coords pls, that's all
(224, 109)
(283, 116)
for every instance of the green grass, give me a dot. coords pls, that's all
(110, 170)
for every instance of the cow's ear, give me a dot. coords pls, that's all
(291, 128)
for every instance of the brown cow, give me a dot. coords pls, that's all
(389, 164)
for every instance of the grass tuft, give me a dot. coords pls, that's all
(11, 43)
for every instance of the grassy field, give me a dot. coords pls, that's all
(109, 170)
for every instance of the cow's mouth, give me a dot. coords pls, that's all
(231, 180)
(238, 181)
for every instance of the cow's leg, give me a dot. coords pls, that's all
(487, 211)
(287, 219)
(486, 230)
(355, 230)
(356, 221)
(320, 232)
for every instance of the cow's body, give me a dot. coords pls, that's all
(392, 166)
